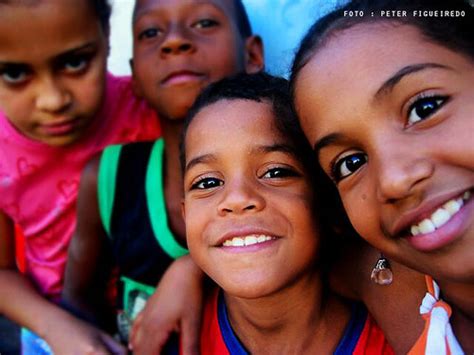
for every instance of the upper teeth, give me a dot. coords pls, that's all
(248, 240)
(440, 216)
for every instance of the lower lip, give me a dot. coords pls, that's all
(254, 248)
(60, 129)
(454, 229)
(181, 79)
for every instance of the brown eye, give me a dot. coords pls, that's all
(205, 23)
(276, 173)
(207, 183)
(348, 165)
(424, 107)
(14, 74)
(149, 33)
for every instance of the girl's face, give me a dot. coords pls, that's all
(52, 68)
(248, 204)
(391, 118)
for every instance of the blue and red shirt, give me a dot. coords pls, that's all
(362, 334)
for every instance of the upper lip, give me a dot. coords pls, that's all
(183, 71)
(240, 232)
(424, 210)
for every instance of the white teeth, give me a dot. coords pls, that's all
(247, 240)
(441, 216)
(261, 239)
(426, 226)
(415, 230)
(250, 240)
(452, 206)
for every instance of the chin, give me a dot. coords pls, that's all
(247, 289)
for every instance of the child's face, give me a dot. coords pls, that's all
(52, 68)
(182, 46)
(391, 117)
(248, 201)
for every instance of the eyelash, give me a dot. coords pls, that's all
(149, 33)
(287, 172)
(83, 59)
(205, 23)
(19, 70)
(202, 180)
(436, 101)
(336, 165)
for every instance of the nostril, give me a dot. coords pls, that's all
(166, 50)
(185, 47)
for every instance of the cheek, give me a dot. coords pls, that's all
(361, 209)
(17, 107)
(90, 94)
(195, 221)
(226, 59)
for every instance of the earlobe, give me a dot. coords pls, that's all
(254, 55)
(135, 87)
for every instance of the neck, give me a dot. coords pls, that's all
(173, 179)
(460, 297)
(298, 319)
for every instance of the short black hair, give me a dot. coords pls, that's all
(259, 87)
(101, 8)
(454, 31)
(242, 19)
(103, 11)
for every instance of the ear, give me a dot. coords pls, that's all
(135, 87)
(183, 211)
(254, 58)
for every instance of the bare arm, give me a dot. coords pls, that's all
(89, 258)
(176, 305)
(20, 302)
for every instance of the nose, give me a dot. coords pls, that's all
(177, 41)
(240, 197)
(401, 171)
(52, 97)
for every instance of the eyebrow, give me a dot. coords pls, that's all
(391, 82)
(327, 140)
(277, 147)
(263, 149)
(60, 56)
(201, 159)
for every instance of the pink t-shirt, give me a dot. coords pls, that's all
(39, 183)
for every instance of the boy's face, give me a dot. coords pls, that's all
(182, 46)
(52, 68)
(248, 204)
(398, 140)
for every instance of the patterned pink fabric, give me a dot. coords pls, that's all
(39, 183)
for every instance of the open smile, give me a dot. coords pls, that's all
(247, 240)
(440, 216)
(442, 225)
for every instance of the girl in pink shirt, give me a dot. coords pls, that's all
(59, 109)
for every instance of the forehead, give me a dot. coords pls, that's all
(233, 121)
(145, 6)
(39, 28)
